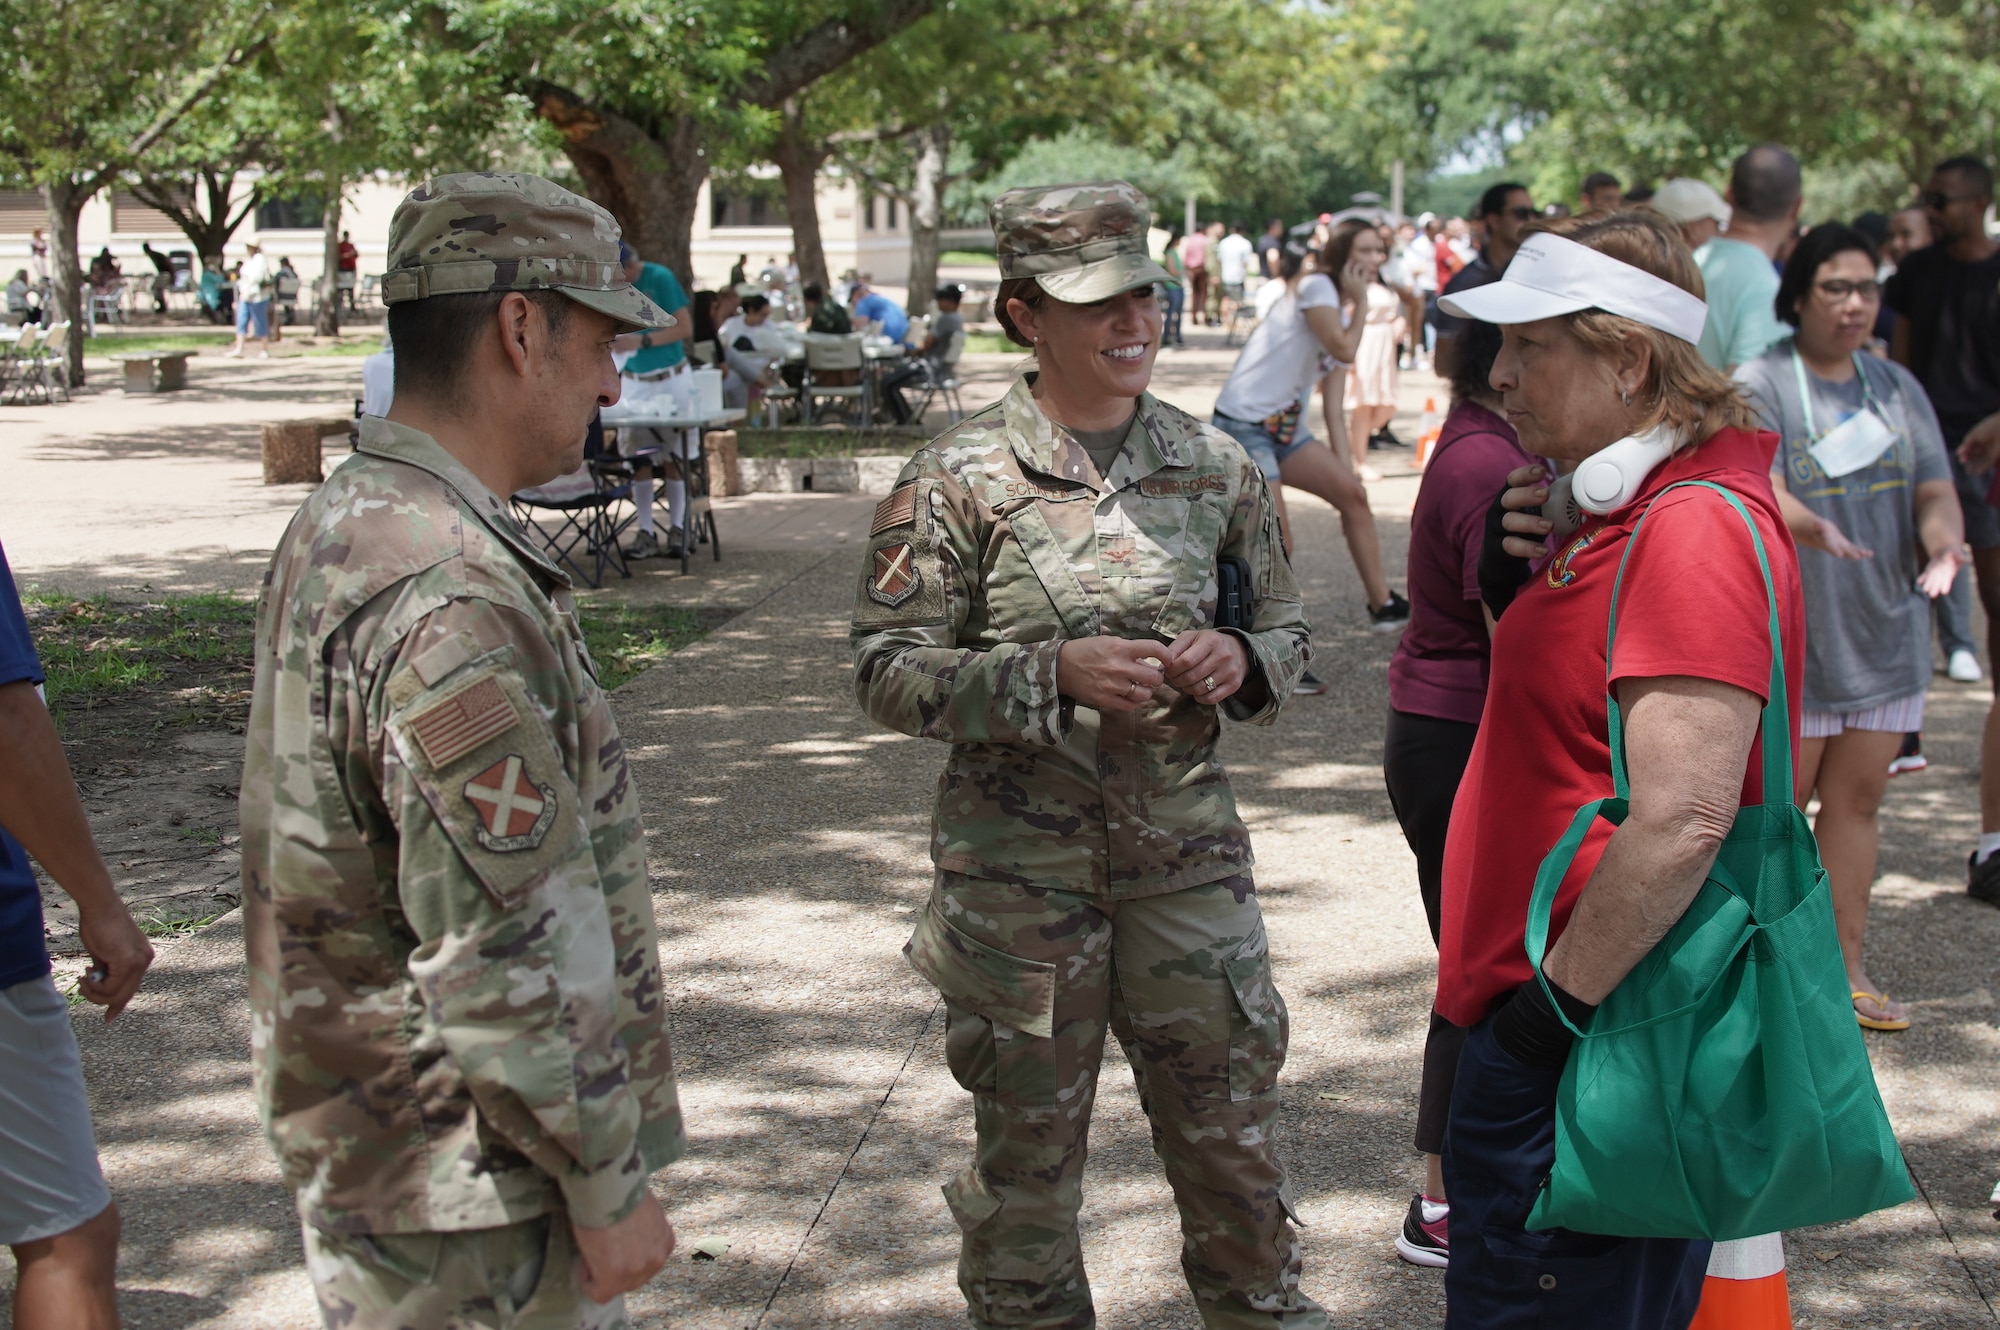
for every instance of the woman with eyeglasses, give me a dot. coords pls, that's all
(1863, 480)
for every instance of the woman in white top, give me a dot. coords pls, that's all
(1263, 406)
(1371, 384)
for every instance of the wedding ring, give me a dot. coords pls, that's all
(1208, 684)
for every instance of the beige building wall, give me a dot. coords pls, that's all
(854, 235)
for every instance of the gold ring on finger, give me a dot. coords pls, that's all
(1208, 684)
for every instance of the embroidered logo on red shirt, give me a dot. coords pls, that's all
(1560, 573)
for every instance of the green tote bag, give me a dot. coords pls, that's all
(1723, 1090)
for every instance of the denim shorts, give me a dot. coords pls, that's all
(1260, 443)
(254, 317)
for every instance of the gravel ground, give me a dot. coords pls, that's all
(787, 841)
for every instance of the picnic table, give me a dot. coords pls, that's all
(659, 413)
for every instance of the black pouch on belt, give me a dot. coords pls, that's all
(1235, 594)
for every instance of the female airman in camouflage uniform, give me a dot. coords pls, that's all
(1041, 592)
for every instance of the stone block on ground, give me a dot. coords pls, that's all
(291, 449)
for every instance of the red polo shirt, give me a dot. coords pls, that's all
(1692, 604)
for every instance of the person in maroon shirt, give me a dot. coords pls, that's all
(1437, 687)
(1600, 329)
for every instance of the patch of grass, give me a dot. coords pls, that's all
(154, 925)
(96, 648)
(992, 344)
(200, 835)
(625, 640)
(352, 344)
(825, 441)
(966, 258)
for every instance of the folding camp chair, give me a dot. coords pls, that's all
(580, 504)
(940, 381)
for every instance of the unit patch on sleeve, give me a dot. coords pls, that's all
(894, 577)
(453, 727)
(514, 812)
(899, 509)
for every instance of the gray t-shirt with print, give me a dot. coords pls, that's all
(1868, 628)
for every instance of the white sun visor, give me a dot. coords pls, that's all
(1551, 276)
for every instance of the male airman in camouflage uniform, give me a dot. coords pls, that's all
(1093, 872)
(459, 1043)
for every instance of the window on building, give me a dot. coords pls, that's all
(21, 211)
(291, 215)
(750, 206)
(131, 217)
(892, 214)
(871, 212)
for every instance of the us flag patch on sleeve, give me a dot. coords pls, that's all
(450, 729)
(899, 509)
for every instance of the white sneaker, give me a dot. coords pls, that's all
(1964, 667)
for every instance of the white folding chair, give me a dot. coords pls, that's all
(831, 360)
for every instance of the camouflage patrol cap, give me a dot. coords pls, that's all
(505, 231)
(1079, 242)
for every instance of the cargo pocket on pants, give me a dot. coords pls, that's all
(1259, 1026)
(1000, 1012)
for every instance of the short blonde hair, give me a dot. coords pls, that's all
(1681, 389)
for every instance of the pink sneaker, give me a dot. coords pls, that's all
(1425, 1239)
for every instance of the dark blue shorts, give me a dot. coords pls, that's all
(1499, 1147)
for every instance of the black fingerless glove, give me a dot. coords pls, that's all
(1529, 1029)
(1500, 573)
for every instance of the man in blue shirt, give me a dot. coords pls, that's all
(877, 308)
(55, 1211)
(655, 357)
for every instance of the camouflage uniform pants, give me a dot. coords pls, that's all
(521, 1277)
(1032, 979)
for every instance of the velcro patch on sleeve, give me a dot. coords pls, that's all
(899, 509)
(453, 726)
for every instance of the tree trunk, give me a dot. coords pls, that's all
(207, 230)
(927, 215)
(65, 199)
(649, 182)
(326, 316)
(799, 160)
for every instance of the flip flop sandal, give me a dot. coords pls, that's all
(1872, 1022)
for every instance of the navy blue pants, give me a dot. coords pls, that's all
(1500, 1145)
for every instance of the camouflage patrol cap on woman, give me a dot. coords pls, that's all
(505, 231)
(1079, 242)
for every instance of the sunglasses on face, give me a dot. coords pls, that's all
(1523, 214)
(1836, 290)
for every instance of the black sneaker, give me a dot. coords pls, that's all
(1309, 684)
(676, 542)
(645, 545)
(1423, 1243)
(1391, 617)
(1982, 878)
(1386, 438)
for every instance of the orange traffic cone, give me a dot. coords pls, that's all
(1745, 1289)
(1427, 431)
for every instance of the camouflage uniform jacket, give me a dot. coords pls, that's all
(456, 1016)
(1000, 541)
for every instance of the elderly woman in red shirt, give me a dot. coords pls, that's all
(1599, 331)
